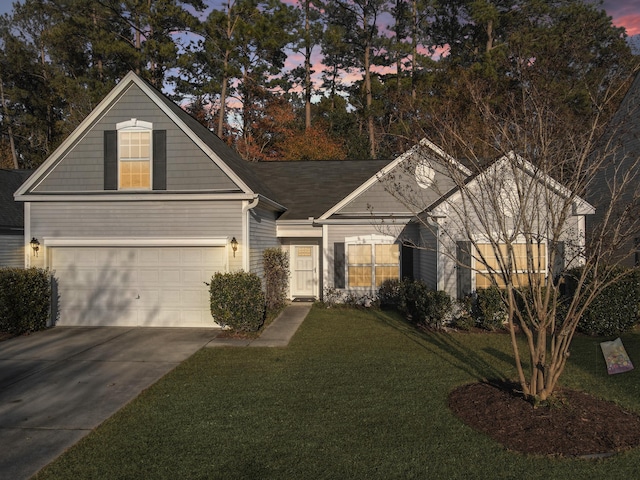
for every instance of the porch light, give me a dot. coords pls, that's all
(35, 246)
(234, 246)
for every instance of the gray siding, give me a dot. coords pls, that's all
(406, 197)
(448, 266)
(11, 251)
(375, 200)
(159, 219)
(262, 234)
(81, 168)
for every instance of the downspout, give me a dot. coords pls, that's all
(326, 280)
(246, 206)
(27, 234)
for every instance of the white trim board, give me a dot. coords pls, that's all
(134, 242)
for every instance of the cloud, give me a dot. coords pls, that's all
(630, 22)
(625, 13)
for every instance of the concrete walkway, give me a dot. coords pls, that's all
(277, 334)
(57, 385)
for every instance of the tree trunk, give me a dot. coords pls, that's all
(97, 57)
(414, 48)
(223, 96)
(307, 68)
(489, 36)
(369, 113)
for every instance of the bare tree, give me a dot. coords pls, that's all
(518, 223)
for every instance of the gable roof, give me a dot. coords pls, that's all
(11, 212)
(311, 188)
(226, 158)
(424, 148)
(580, 205)
(230, 156)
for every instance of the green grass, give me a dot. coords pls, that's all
(355, 395)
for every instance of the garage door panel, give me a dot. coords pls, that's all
(194, 276)
(191, 297)
(86, 257)
(147, 298)
(170, 276)
(148, 276)
(77, 276)
(149, 257)
(172, 298)
(135, 286)
(192, 257)
(170, 256)
(107, 257)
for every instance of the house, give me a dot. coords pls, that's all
(11, 218)
(615, 186)
(138, 208)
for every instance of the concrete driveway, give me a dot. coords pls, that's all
(58, 385)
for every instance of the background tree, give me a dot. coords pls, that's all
(357, 22)
(308, 34)
(60, 57)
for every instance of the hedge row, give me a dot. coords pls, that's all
(25, 300)
(614, 311)
(617, 308)
(416, 301)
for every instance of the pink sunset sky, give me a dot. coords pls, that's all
(625, 13)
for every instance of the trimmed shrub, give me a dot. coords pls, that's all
(615, 310)
(25, 300)
(331, 298)
(237, 301)
(414, 301)
(390, 294)
(460, 316)
(419, 303)
(488, 309)
(276, 275)
(440, 306)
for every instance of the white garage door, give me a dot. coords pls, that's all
(135, 286)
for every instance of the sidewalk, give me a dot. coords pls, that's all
(277, 334)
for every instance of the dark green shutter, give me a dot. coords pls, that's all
(159, 159)
(338, 265)
(463, 272)
(110, 160)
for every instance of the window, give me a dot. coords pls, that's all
(520, 271)
(134, 155)
(370, 264)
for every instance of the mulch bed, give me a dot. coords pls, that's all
(573, 424)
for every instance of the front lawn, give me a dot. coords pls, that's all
(357, 394)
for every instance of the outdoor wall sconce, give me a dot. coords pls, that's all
(234, 246)
(35, 246)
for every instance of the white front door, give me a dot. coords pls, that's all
(304, 260)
